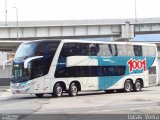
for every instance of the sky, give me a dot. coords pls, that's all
(147, 37)
(35, 10)
(38, 10)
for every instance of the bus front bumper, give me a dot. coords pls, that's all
(21, 88)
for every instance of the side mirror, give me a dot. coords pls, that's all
(29, 59)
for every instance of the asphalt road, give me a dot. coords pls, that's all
(86, 103)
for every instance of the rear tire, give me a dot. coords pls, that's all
(57, 90)
(39, 95)
(137, 86)
(73, 89)
(128, 86)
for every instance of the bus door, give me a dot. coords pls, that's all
(38, 75)
(39, 70)
(47, 51)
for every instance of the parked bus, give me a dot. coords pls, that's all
(54, 67)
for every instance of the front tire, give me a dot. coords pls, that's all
(128, 86)
(58, 90)
(73, 90)
(137, 86)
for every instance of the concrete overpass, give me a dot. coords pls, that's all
(121, 28)
(9, 45)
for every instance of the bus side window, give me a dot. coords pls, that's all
(93, 49)
(108, 53)
(66, 50)
(72, 49)
(129, 50)
(121, 50)
(115, 70)
(84, 49)
(137, 50)
(50, 48)
(102, 50)
(113, 49)
(40, 50)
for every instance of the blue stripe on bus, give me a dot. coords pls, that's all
(106, 82)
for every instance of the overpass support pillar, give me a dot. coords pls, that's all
(127, 31)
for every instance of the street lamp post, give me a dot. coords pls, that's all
(6, 13)
(17, 21)
(135, 10)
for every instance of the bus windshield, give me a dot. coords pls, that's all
(19, 74)
(26, 50)
(36, 67)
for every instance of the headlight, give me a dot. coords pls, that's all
(16, 65)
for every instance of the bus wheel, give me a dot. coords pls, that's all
(73, 90)
(137, 86)
(57, 90)
(128, 86)
(39, 95)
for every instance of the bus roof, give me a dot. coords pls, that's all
(110, 42)
(42, 41)
(90, 41)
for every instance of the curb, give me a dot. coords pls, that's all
(4, 88)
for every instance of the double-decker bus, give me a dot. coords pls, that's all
(57, 66)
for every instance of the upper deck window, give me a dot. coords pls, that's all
(137, 50)
(48, 48)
